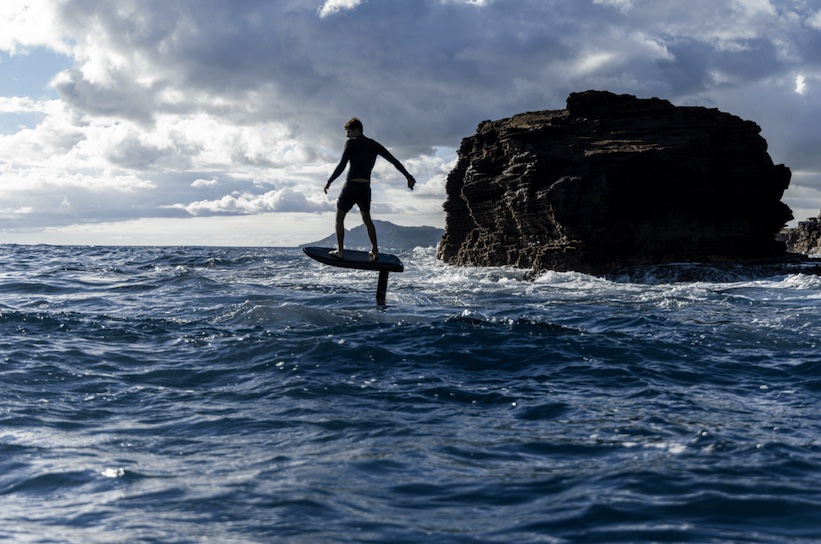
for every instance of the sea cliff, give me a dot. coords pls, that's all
(614, 181)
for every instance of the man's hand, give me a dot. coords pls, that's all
(411, 182)
(327, 186)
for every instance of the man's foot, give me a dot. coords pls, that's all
(338, 253)
(373, 255)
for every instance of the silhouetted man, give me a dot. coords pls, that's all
(361, 152)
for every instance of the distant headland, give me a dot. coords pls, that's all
(391, 237)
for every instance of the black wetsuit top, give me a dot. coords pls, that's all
(361, 152)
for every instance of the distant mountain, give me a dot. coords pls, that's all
(389, 236)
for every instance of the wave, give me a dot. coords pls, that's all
(251, 394)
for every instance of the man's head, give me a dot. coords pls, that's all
(353, 127)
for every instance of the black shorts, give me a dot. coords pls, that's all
(355, 192)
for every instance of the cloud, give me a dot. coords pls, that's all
(622, 5)
(800, 84)
(284, 200)
(17, 104)
(199, 107)
(38, 198)
(30, 23)
(331, 7)
(815, 20)
(201, 183)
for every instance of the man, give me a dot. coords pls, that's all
(361, 152)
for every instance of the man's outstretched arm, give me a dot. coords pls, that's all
(394, 161)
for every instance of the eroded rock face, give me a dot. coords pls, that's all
(614, 181)
(804, 238)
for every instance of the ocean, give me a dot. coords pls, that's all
(252, 395)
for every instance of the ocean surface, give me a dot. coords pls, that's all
(227, 395)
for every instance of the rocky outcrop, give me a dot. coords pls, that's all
(614, 181)
(805, 238)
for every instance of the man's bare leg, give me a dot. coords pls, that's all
(340, 234)
(366, 218)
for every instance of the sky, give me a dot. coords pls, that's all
(218, 122)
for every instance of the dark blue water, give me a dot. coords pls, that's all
(252, 395)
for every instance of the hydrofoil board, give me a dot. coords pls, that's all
(356, 259)
(384, 264)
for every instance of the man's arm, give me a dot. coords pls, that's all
(339, 168)
(398, 165)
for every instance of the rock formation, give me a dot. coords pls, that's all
(804, 238)
(614, 181)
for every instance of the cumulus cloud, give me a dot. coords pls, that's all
(284, 200)
(800, 84)
(330, 7)
(199, 107)
(200, 183)
(30, 23)
(25, 104)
